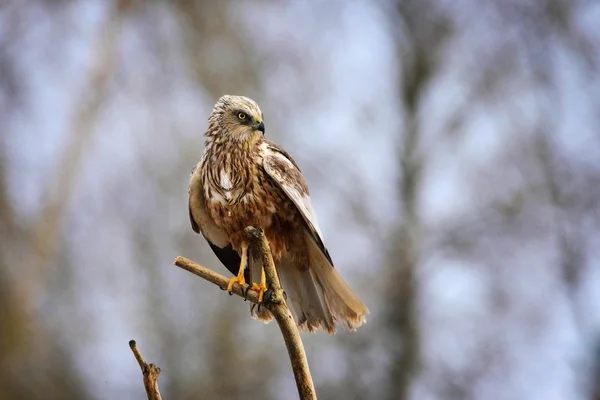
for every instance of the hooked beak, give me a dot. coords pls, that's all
(261, 127)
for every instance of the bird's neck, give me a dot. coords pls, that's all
(230, 147)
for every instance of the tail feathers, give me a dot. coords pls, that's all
(339, 298)
(305, 299)
(318, 297)
(261, 313)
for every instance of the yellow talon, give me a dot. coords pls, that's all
(240, 276)
(234, 280)
(261, 289)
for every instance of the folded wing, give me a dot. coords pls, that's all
(319, 296)
(203, 223)
(282, 168)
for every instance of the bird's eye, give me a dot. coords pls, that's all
(242, 116)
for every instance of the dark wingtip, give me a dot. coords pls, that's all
(230, 259)
(195, 226)
(327, 255)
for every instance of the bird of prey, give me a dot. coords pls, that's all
(244, 180)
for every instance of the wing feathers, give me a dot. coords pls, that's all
(202, 223)
(199, 216)
(339, 298)
(195, 226)
(280, 166)
(318, 296)
(230, 259)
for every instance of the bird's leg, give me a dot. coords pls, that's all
(240, 276)
(262, 288)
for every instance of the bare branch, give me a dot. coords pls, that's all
(214, 277)
(150, 372)
(274, 300)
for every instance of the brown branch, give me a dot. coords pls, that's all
(214, 277)
(274, 300)
(277, 305)
(150, 372)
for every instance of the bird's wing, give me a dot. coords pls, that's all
(282, 168)
(203, 223)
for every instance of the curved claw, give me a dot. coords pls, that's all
(245, 291)
(236, 279)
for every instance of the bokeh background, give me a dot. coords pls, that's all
(453, 153)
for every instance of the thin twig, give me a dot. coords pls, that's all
(150, 372)
(274, 300)
(214, 277)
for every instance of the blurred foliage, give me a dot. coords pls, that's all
(451, 150)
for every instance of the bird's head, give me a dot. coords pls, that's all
(235, 118)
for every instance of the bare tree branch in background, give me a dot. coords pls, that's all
(572, 203)
(149, 371)
(207, 23)
(422, 35)
(274, 301)
(13, 329)
(45, 241)
(11, 79)
(21, 362)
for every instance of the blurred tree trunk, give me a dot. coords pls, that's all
(47, 234)
(572, 204)
(420, 34)
(13, 329)
(33, 362)
(34, 359)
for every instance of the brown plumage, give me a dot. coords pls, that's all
(244, 179)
